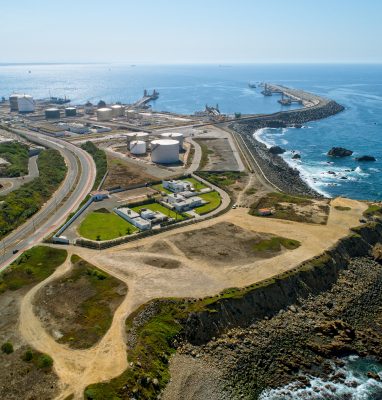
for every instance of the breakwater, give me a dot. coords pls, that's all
(277, 171)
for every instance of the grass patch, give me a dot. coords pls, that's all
(373, 210)
(342, 208)
(160, 188)
(282, 206)
(92, 313)
(213, 199)
(104, 226)
(275, 244)
(162, 209)
(33, 266)
(251, 191)
(222, 179)
(205, 154)
(17, 155)
(195, 183)
(22, 203)
(99, 157)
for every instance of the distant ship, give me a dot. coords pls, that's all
(59, 100)
(251, 85)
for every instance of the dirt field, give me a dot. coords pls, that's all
(223, 244)
(123, 173)
(20, 379)
(77, 309)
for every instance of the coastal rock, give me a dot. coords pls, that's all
(339, 152)
(296, 156)
(276, 150)
(366, 158)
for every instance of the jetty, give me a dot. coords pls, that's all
(289, 96)
(147, 97)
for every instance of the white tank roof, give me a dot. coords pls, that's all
(52, 109)
(105, 109)
(172, 134)
(137, 134)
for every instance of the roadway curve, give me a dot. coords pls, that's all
(77, 184)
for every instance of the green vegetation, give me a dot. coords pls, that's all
(162, 209)
(373, 210)
(31, 267)
(342, 208)
(160, 188)
(7, 348)
(17, 155)
(104, 226)
(250, 191)
(44, 361)
(213, 199)
(154, 337)
(99, 157)
(222, 179)
(275, 244)
(40, 360)
(282, 205)
(94, 314)
(205, 153)
(22, 203)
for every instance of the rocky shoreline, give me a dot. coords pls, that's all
(274, 167)
(307, 337)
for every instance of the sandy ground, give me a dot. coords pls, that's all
(191, 277)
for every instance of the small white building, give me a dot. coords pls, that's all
(177, 186)
(188, 204)
(133, 217)
(174, 198)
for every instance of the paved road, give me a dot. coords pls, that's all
(78, 182)
(11, 184)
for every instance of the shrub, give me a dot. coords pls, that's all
(28, 355)
(7, 348)
(44, 361)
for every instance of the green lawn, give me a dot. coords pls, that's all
(162, 209)
(160, 187)
(213, 199)
(195, 183)
(104, 226)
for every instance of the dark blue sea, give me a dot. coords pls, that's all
(187, 88)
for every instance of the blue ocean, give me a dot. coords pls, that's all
(187, 88)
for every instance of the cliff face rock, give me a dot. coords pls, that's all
(339, 152)
(268, 297)
(276, 150)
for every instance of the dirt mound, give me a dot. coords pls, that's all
(158, 262)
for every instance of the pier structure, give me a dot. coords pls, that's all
(289, 96)
(147, 97)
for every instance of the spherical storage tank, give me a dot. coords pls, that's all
(137, 147)
(70, 111)
(165, 151)
(52, 113)
(118, 110)
(104, 114)
(25, 103)
(175, 136)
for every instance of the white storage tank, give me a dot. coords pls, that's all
(165, 151)
(104, 114)
(13, 101)
(137, 147)
(52, 113)
(25, 103)
(175, 136)
(136, 136)
(118, 110)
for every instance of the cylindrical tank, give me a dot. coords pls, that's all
(89, 108)
(52, 113)
(136, 136)
(104, 114)
(175, 136)
(165, 151)
(70, 111)
(137, 147)
(25, 103)
(118, 110)
(13, 101)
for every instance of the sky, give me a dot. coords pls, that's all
(191, 31)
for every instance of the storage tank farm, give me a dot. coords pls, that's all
(175, 136)
(165, 151)
(104, 114)
(25, 103)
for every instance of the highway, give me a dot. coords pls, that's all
(77, 184)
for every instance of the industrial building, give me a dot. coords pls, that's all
(165, 151)
(177, 186)
(74, 127)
